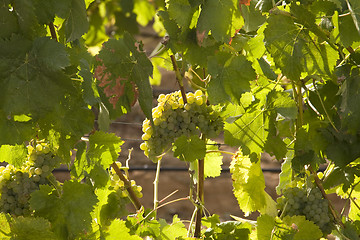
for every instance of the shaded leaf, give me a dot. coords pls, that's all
(189, 149)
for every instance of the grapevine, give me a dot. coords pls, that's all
(172, 119)
(276, 77)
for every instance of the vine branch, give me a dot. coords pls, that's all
(52, 31)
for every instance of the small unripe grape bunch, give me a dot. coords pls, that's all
(311, 204)
(41, 162)
(16, 185)
(119, 186)
(174, 118)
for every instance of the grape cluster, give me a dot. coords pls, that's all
(311, 204)
(41, 162)
(172, 119)
(119, 186)
(16, 184)
(15, 188)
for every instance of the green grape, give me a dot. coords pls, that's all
(15, 190)
(172, 119)
(313, 206)
(41, 161)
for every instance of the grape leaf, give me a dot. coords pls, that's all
(248, 183)
(103, 118)
(8, 22)
(210, 221)
(147, 227)
(354, 8)
(34, 83)
(81, 162)
(282, 104)
(275, 146)
(349, 110)
(90, 94)
(252, 17)
(181, 11)
(27, 21)
(305, 228)
(293, 50)
(172, 231)
(79, 201)
(47, 205)
(76, 23)
(5, 226)
(15, 155)
(31, 228)
(230, 76)
(212, 161)
(104, 148)
(248, 131)
(285, 176)
(145, 11)
(265, 226)
(118, 228)
(354, 213)
(266, 69)
(216, 16)
(13, 132)
(99, 175)
(125, 19)
(123, 67)
(68, 213)
(228, 230)
(189, 149)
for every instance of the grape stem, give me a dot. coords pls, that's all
(134, 199)
(179, 78)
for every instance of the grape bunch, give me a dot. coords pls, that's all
(311, 204)
(41, 162)
(15, 188)
(172, 119)
(119, 186)
(16, 184)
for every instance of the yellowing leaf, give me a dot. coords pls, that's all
(249, 185)
(213, 161)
